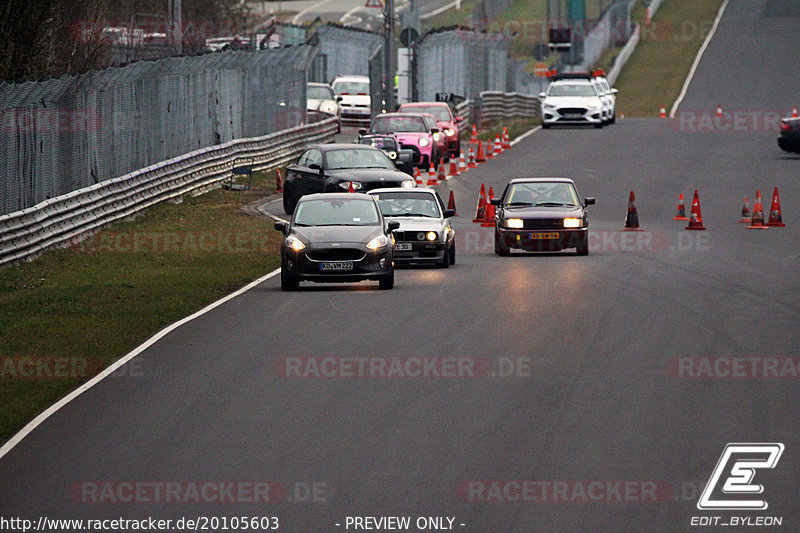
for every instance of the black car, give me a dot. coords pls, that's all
(338, 168)
(391, 147)
(337, 237)
(789, 140)
(541, 215)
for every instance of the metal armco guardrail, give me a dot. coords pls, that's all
(62, 220)
(494, 104)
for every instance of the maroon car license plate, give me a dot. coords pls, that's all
(544, 236)
(338, 266)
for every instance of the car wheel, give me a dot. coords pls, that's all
(599, 125)
(545, 126)
(445, 262)
(453, 254)
(288, 283)
(289, 202)
(499, 247)
(613, 119)
(387, 283)
(583, 245)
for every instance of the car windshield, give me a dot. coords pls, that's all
(572, 89)
(408, 204)
(542, 194)
(316, 92)
(351, 87)
(392, 124)
(357, 158)
(441, 113)
(336, 212)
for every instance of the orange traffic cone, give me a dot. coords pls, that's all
(794, 112)
(719, 111)
(489, 149)
(441, 175)
(432, 175)
(648, 17)
(462, 162)
(632, 220)
(498, 146)
(278, 181)
(696, 220)
(474, 138)
(451, 203)
(472, 163)
(757, 222)
(453, 171)
(481, 157)
(662, 113)
(775, 218)
(488, 221)
(746, 215)
(480, 211)
(417, 176)
(622, 115)
(350, 188)
(506, 139)
(681, 214)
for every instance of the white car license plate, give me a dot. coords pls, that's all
(402, 246)
(337, 266)
(573, 115)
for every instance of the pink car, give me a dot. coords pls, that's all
(448, 124)
(413, 134)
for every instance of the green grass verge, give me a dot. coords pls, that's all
(654, 75)
(76, 310)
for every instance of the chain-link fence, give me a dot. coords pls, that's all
(343, 52)
(63, 134)
(463, 62)
(486, 11)
(613, 29)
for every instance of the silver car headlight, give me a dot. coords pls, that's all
(549, 106)
(294, 243)
(424, 141)
(357, 186)
(328, 107)
(392, 154)
(408, 184)
(514, 223)
(595, 104)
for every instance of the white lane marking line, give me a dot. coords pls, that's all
(697, 59)
(456, 4)
(529, 132)
(33, 424)
(296, 19)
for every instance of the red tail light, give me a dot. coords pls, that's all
(784, 126)
(362, 94)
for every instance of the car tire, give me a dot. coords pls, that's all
(499, 247)
(445, 262)
(288, 283)
(599, 125)
(289, 203)
(453, 254)
(545, 126)
(583, 245)
(386, 283)
(613, 119)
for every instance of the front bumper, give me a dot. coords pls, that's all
(370, 266)
(542, 240)
(421, 252)
(356, 114)
(572, 116)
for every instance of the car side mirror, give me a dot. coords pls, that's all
(496, 201)
(542, 95)
(362, 131)
(449, 213)
(434, 130)
(398, 163)
(281, 226)
(589, 200)
(393, 225)
(339, 98)
(614, 91)
(459, 119)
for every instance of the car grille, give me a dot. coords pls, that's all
(407, 236)
(417, 155)
(336, 254)
(564, 110)
(543, 223)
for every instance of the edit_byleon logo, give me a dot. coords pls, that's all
(732, 478)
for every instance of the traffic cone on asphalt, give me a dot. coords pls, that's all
(489, 149)
(794, 112)
(632, 219)
(472, 163)
(418, 176)
(719, 111)
(506, 139)
(681, 214)
(278, 181)
(746, 215)
(451, 203)
(441, 175)
(622, 115)
(481, 157)
(462, 163)
(498, 146)
(757, 222)
(350, 188)
(432, 175)
(662, 113)
(775, 218)
(453, 171)
(696, 220)
(474, 138)
(488, 221)
(480, 210)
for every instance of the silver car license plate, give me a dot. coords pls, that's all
(402, 246)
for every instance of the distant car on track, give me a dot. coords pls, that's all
(447, 122)
(425, 234)
(541, 214)
(356, 101)
(336, 167)
(789, 140)
(572, 101)
(320, 97)
(337, 237)
(391, 146)
(412, 132)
